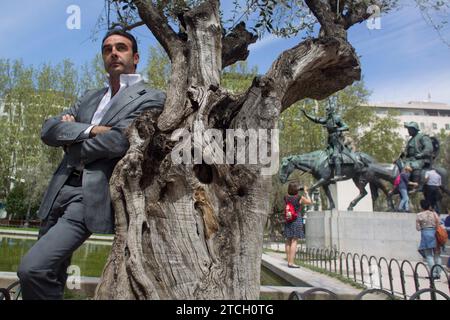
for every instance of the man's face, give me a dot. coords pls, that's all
(118, 57)
(411, 131)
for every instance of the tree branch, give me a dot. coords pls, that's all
(235, 45)
(328, 19)
(315, 69)
(356, 13)
(127, 27)
(200, 69)
(159, 26)
(357, 10)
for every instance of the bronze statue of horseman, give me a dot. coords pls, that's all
(338, 162)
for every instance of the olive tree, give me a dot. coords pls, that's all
(194, 230)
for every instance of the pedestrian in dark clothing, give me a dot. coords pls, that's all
(403, 189)
(432, 189)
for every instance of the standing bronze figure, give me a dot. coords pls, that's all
(420, 152)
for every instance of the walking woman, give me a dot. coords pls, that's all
(294, 230)
(426, 223)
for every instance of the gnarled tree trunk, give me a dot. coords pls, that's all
(195, 231)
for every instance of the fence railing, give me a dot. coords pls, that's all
(330, 295)
(371, 271)
(12, 292)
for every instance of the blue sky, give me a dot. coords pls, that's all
(404, 60)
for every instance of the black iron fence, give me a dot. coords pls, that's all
(312, 293)
(12, 292)
(405, 280)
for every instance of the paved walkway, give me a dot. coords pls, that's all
(372, 279)
(304, 279)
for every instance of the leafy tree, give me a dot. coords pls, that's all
(382, 140)
(443, 160)
(17, 206)
(158, 70)
(29, 96)
(238, 77)
(92, 75)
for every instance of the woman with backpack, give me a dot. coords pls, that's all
(293, 227)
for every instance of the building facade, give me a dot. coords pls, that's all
(432, 117)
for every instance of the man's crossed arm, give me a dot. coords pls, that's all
(103, 142)
(93, 129)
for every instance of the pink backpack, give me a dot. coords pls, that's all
(397, 181)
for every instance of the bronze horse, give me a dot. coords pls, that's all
(366, 170)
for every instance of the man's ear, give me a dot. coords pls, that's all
(136, 58)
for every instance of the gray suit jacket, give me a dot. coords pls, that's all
(98, 155)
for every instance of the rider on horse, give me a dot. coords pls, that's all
(336, 147)
(419, 151)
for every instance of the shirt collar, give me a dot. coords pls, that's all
(130, 79)
(127, 80)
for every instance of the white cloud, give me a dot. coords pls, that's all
(266, 41)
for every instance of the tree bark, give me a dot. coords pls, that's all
(195, 231)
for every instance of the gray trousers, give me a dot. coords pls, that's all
(43, 270)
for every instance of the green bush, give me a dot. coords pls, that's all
(17, 203)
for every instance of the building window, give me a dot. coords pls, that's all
(447, 126)
(434, 126)
(422, 125)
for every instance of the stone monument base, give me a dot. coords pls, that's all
(344, 192)
(381, 234)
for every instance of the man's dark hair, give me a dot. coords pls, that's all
(122, 33)
(424, 204)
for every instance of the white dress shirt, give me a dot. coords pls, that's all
(433, 178)
(126, 80)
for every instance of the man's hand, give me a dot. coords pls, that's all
(68, 118)
(96, 130)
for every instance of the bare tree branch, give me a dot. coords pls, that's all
(357, 12)
(327, 18)
(314, 69)
(127, 27)
(159, 26)
(235, 45)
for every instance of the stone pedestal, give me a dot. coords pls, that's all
(382, 234)
(344, 192)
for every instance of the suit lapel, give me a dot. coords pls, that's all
(91, 106)
(126, 96)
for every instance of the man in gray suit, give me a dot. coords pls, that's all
(77, 201)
